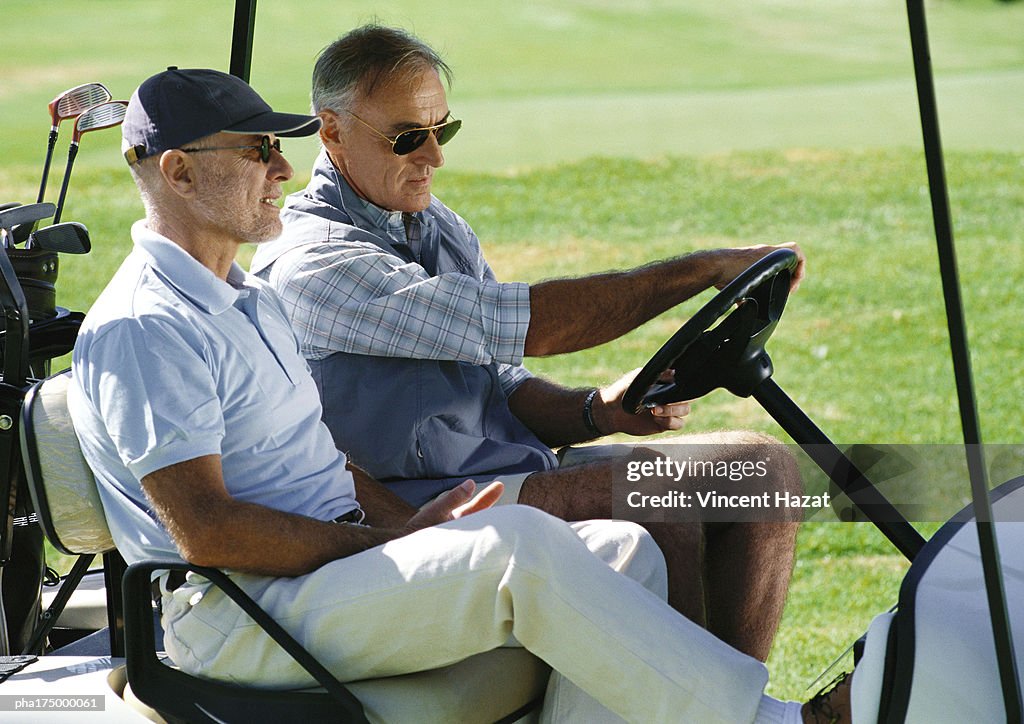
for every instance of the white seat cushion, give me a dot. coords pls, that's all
(72, 507)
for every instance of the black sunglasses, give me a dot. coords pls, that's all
(264, 146)
(408, 141)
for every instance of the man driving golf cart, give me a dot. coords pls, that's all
(417, 350)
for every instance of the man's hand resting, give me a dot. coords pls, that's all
(455, 503)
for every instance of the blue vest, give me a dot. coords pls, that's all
(421, 426)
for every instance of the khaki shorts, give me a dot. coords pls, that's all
(567, 457)
(513, 484)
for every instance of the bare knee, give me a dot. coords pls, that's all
(580, 492)
(784, 468)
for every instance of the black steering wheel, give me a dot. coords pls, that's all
(730, 355)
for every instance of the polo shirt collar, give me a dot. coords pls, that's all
(186, 275)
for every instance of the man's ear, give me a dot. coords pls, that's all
(331, 131)
(178, 171)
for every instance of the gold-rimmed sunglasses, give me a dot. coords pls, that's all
(408, 141)
(264, 147)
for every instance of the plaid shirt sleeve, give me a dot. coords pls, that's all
(511, 376)
(362, 300)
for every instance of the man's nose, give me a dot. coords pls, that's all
(430, 152)
(278, 168)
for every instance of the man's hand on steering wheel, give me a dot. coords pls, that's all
(610, 417)
(722, 345)
(740, 258)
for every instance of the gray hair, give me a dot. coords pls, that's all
(365, 59)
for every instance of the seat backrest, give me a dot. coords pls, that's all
(61, 485)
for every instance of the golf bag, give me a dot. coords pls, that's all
(33, 331)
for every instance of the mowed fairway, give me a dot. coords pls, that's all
(604, 134)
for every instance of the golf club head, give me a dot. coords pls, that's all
(74, 101)
(69, 104)
(68, 237)
(18, 221)
(105, 115)
(25, 214)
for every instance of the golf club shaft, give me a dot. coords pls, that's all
(72, 152)
(46, 166)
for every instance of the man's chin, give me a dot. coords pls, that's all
(270, 233)
(416, 204)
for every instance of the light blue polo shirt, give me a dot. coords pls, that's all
(173, 363)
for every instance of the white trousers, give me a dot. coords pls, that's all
(458, 589)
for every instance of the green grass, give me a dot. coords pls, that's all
(605, 134)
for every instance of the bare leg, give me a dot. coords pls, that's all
(748, 565)
(747, 569)
(731, 578)
(684, 548)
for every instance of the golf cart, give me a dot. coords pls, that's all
(49, 473)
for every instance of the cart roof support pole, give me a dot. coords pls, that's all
(241, 38)
(962, 363)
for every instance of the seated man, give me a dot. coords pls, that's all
(201, 421)
(417, 350)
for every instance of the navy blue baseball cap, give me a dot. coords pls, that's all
(176, 107)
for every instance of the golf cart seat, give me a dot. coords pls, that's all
(506, 684)
(933, 659)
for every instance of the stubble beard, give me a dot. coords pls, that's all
(219, 195)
